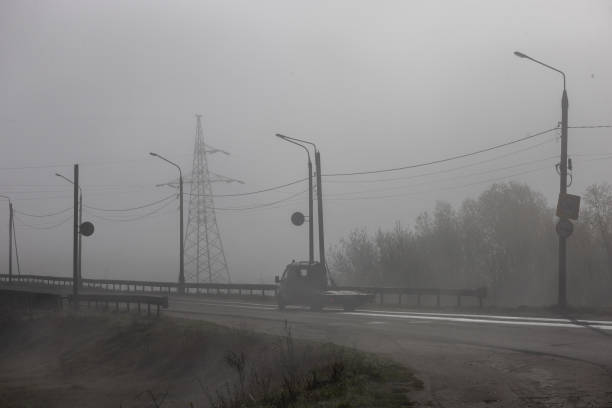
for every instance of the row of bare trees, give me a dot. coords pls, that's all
(504, 240)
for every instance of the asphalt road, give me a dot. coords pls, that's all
(465, 360)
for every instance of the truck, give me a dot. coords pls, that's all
(306, 284)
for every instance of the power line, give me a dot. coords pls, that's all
(44, 215)
(460, 156)
(448, 178)
(418, 194)
(257, 191)
(16, 248)
(441, 171)
(134, 218)
(132, 208)
(262, 205)
(590, 127)
(46, 227)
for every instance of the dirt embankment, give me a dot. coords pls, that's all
(66, 360)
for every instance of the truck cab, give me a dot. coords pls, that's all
(304, 283)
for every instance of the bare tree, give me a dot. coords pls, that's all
(598, 214)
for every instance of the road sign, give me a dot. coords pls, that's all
(568, 206)
(297, 218)
(564, 228)
(86, 228)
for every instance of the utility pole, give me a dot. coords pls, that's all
(80, 223)
(181, 279)
(310, 215)
(563, 190)
(11, 234)
(563, 219)
(10, 242)
(181, 238)
(80, 238)
(75, 243)
(310, 198)
(320, 210)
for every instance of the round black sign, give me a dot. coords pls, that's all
(564, 228)
(297, 218)
(87, 228)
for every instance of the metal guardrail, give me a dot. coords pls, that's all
(382, 294)
(399, 292)
(30, 298)
(118, 298)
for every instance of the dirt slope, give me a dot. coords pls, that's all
(125, 361)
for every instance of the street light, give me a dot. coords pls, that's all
(319, 196)
(181, 279)
(10, 237)
(310, 201)
(562, 295)
(80, 223)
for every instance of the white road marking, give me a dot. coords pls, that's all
(501, 317)
(447, 318)
(221, 302)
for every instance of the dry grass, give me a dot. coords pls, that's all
(106, 360)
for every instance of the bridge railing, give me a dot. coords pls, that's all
(383, 295)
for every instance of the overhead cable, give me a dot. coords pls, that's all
(44, 215)
(139, 217)
(45, 227)
(262, 205)
(132, 208)
(380, 180)
(459, 156)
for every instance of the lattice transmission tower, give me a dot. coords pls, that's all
(204, 257)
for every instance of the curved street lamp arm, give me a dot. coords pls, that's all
(70, 181)
(521, 55)
(297, 140)
(166, 160)
(290, 140)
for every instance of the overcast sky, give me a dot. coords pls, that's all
(376, 84)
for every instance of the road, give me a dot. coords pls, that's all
(465, 360)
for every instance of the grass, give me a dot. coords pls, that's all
(102, 360)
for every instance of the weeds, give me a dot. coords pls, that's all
(327, 376)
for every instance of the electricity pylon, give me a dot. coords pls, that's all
(204, 257)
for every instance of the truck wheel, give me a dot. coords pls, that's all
(349, 307)
(316, 307)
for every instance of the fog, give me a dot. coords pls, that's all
(375, 85)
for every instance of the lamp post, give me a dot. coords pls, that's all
(10, 237)
(181, 279)
(80, 255)
(310, 200)
(319, 198)
(562, 294)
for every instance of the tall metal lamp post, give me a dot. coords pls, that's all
(310, 200)
(80, 223)
(10, 237)
(319, 196)
(181, 280)
(562, 294)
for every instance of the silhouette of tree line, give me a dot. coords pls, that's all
(505, 240)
